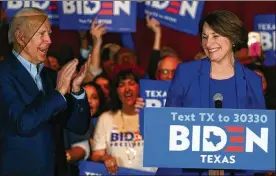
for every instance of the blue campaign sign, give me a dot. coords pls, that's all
(49, 6)
(209, 138)
(154, 94)
(266, 25)
(180, 15)
(140, 9)
(88, 168)
(119, 16)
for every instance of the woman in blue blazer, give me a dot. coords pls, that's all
(195, 83)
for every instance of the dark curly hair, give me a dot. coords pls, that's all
(116, 103)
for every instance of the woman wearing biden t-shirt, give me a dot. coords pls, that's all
(117, 141)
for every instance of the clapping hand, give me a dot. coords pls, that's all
(65, 76)
(79, 77)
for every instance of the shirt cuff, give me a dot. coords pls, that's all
(79, 97)
(85, 146)
(62, 96)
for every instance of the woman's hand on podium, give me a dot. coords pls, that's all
(111, 164)
(270, 173)
(216, 172)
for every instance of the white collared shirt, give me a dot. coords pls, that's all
(33, 69)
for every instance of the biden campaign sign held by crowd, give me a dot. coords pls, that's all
(119, 16)
(154, 94)
(266, 25)
(180, 15)
(49, 6)
(88, 168)
(209, 138)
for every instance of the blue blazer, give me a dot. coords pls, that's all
(32, 121)
(190, 88)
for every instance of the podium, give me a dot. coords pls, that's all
(227, 139)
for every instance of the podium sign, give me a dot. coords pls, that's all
(209, 138)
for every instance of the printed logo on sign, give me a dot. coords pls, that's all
(118, 16)
(211, 138)
(175, 7)
(268, 34)
(97, 7)
(265, 24)
(106, 8)
(155, 98)
(49, 6)
(92, 174)
(38, 4)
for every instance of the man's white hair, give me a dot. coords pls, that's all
(17, 22)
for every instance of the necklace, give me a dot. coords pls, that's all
(123, 120)
(130, 146)
(129, 125)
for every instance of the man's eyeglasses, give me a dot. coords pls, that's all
(167, 71)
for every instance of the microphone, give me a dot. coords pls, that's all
(218, 100)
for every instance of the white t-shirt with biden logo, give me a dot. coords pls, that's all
(119, 134)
